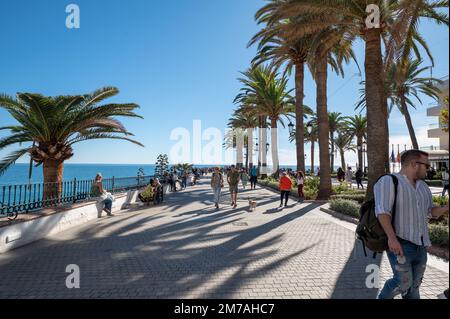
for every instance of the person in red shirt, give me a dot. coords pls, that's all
(285, 188)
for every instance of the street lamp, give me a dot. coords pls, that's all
(291, 128)
(309, 128)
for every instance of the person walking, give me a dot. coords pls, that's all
(349, 176)
(445, 176)
(359, 176)
(233, 181)
(175, 180)
(407, 231)
(253, 177)
(216, 185)
(300, 179)
(285, 188)
(244, 178)
(340, 175)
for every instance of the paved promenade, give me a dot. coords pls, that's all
(186, 249)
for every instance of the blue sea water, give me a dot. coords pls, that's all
(18, 174)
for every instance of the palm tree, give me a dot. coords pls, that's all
(343, 142)
(404, 83)
(357, 126)
(275, 45)
(310, 137)
(55, 124)
(351, 14)
(335, 123)
(245, 119)
(267, 95)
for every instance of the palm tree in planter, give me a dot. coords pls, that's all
(247, 119)
(54, 124)
(351, 14)
(344, 144)
(357, 126)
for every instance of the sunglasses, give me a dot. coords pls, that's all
(426, 165)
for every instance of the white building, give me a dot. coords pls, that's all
(439, 157)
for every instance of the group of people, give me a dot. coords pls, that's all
(347, 176)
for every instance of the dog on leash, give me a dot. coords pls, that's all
(252, 205)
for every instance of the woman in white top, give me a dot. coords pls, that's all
(300, 179)
(349, 176)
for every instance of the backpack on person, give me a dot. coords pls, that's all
(369, 229)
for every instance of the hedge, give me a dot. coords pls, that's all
(345, 206)
(360, 198)
(439, 235)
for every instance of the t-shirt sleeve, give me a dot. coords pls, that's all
(384, 193)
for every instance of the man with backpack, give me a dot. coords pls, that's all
(403, 204)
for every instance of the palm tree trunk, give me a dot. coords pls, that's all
(342, 158)
(377, 129)
(274, 145)
(53, 175)
(332, 152)
(250, 148)
(409, 123)
(239, 148)
(313, 143)
(263, 148)
(359, 142)
(299, 94)
(323, 127)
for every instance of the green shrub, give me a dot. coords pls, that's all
(345, 206)
(439, 235)
(360, 198)
(440, 201)
(343, 187)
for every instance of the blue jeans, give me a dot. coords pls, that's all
(108, 203)
(217, 192)
(408, 276)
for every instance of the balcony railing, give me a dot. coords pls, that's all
(24, 198)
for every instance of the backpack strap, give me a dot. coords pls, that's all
(395, 181)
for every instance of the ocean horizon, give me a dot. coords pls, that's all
(18, 173)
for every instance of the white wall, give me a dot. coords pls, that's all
(23, 233)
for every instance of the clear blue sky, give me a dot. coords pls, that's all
(178, 60)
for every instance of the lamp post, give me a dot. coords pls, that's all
(291, 128)
(309, 128)
(364, 151)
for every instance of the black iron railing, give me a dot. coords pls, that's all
(16, 199)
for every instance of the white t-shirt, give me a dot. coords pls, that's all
(300, 180)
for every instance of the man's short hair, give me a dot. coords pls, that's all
(412, 155)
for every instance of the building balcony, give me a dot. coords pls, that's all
(434, 111)
(436, 133)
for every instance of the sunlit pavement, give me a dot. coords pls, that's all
(187, 249)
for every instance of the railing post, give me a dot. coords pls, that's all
(74, 189)
(112, 186)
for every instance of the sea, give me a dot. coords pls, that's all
(18, 173)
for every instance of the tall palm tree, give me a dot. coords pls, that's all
(405, 82)
(357, 126)
(335, 121)
(310, 137)
(275, 45)
(55, 124)
(268, 96)
(247, 120)
(343, 142)
(254, 81)
(352, 14)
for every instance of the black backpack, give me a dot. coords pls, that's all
(369, 229)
